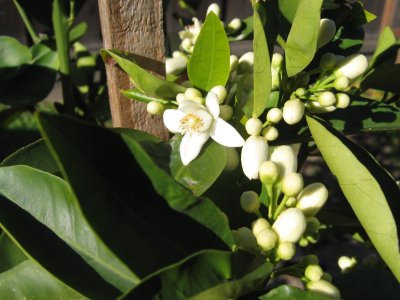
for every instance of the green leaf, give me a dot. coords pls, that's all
(136, 95)
(201, 173)
(386, 45)
(77, 32)
(301, 43)
(211, 275)
(360, 16)
(384, 77)
(29, 281)
(13, 57)
(286, 292)
(370, 190)
(262, 67)
(44, 56)
(10, 254)
(56, 208)
(209, 64)
(146, 82)
(117, 197)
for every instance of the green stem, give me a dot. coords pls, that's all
(270, 192)
(60, 26)
(27, 22)
(281, 206)
(71, 12)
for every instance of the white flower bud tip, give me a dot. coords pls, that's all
(235, 24)
(346, 263)
(246, 62)
(155, 108)
(327, 30)
(290, 225)
(277, 60)
(293, 111)
(253, 126)
(353, 66)
(342, 100)
(220, 91)
(232, 159)
(312, 198)
(259, 225)
(269, 172)
(286, 250)
(286, 160)
(271, 133)
(327, 99)
(180, 97)
(325, 288)
(192, 93)
(274, 115)
(186, 44)
(328, 61)
(313, 272)
(233, 63)
(254, 152)
(341, 83)
(249, 201)
(175, 65)
(214, 7)
(225, 112)
(266, 239)
(292, 184)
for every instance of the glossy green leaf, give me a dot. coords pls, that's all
(201, 173)
(44, 56)
(29, 281)
(288, 9)
(13, 57)
(10, 254)
(209, 63)
(300, 47)
(386, 45)
(24, 185)
(360, 16)
(287, 292)
(370, 190)
(136, 95)
(262, 67)
(78, 32)
(146, 82)
(118, 199)
(384, 77)
(211, 275)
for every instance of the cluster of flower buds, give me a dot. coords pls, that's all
(320, 282)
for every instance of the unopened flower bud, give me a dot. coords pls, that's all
(327, 277)
(312, 225)
(315, 107)
(277, 60)
(352, 67)
(246, 62)
(191, 93)
(198, 99)
(275, 79)
(300, 92)
(312, 198)
(220, 91)
(327, 30)
(286, 159)
(342, 100)
(313, 272)
(274, 115)
(269, 172)
(245, 239)
(290, 225)
(259, 225)
(180, 97)
(326, 99)
(253, 126)
(179, 54)
(234, 25)
(155, 108)
(266, 239)
(345, 263)
(341, 83)
(254, 152)
(232, 159)
(325, 288)
(327, 61)
(286, 250)
(225, 112)
(292, 184)
(175, 65)
(186, 45)
(291, 201)
(293, 111)
(249, 201)
(233, 63)
(271, 133)
(214, 7)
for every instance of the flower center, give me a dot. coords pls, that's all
(191, 123)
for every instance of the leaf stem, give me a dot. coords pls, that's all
(281, 206)
(27, 22)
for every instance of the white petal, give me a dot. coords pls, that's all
(172, 119)
(254, 153)
(191, 145)
(189, 106)
(225, 134)
(286, 159)
(212, 104)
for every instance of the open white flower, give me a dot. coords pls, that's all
(197, 123)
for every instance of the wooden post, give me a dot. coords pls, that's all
(135, 26)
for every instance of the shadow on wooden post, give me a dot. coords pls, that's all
(135, 26)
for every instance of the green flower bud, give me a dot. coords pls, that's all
(266, 239)
(312, 225)
(293, 111)
(214, 7)
(155, 108)
(259, 225)
(313, 272)
(234, 25)
(341, 83)
(312, 198)
(290, 225)
(352, 67)
(325, 288)
(345, 263)
(327, 61)
(277, 60)
(191, 93)
(274, 115)
(303, 242)
(271, 133)
(175, 65)
(250, 202)
(220, 91)
(233, 63)
(326, 99)
(253, 126)
(292, 184)
(269, 172)
(291, 201)
(300, 92)
(180, 97)
(286, 250)
(327, 277)
(232, 159)
(342, 100)
(225, 112)
(327, 30)
(246, 62)
(245, 239)
(286, 159)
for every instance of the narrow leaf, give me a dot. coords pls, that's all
(370, 190)
(285, 292)
(209, 64)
